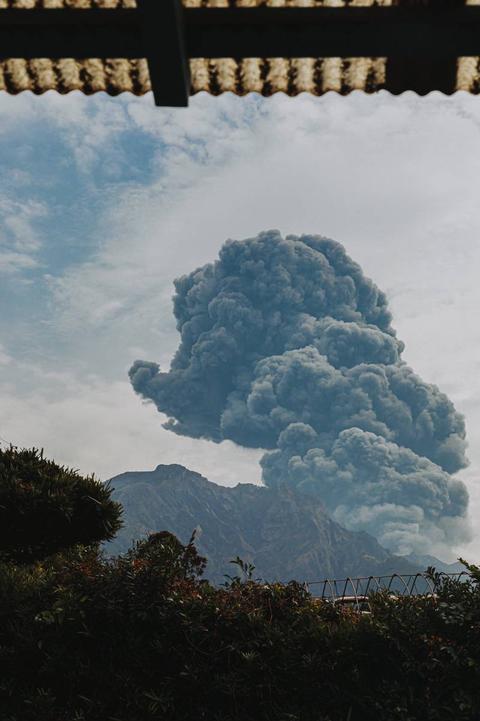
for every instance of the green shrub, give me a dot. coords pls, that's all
(143, 637)
(45, 508)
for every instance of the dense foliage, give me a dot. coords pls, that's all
(45, 508)
(142, 637)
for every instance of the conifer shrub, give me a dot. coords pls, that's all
(45, 508)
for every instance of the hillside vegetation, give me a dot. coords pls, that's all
(142, 637)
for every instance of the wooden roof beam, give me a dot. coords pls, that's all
(415, 32)
(164, 43)
(168, 35)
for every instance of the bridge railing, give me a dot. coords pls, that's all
(356, 591)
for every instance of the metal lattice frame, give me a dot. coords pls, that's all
(355, 592)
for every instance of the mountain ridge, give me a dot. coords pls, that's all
(284, 533)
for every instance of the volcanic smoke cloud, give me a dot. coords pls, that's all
(287, 346)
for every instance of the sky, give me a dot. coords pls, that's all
(104, 201)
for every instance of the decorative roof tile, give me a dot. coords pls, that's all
(215, 76)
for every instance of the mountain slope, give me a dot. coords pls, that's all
(285, 534)
(425, 561)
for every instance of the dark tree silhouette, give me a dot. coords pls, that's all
(46, 508)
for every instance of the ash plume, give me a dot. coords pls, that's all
(287, 346)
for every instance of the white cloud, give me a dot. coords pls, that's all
(5, 358)
(393, 178)
(101, 427)
(19, 239)
(11, 263)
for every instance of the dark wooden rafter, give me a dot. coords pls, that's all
(164, 46)
(421, 40)
(432, 72)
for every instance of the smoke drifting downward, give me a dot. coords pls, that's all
(287, 346)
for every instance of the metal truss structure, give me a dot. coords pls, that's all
(356, 592)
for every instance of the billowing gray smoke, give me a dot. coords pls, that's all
(285, 345)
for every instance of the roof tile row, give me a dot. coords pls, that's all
(265, 76)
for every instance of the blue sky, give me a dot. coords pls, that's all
(105, 200)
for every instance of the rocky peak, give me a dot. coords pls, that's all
(175, 471)
(284, 533)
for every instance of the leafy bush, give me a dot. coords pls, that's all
(45, 508)
(143, 637)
